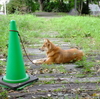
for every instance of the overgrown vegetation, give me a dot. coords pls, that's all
(20, 6)
(80, 31)
(30, 6)
(3, 93)
(56, 7)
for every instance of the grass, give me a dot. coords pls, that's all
(80, 31)
(53, 69)
(3, 93)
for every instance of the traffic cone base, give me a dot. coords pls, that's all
(18, 86)
(15, 81)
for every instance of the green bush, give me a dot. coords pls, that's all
(12, 6)
(56, 7)
(23, 7)
(36, 5)
(49, 6)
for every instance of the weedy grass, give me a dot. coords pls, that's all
(83, 31)
(53, 69)
(28, 26)
(80, 30)
(3, 93)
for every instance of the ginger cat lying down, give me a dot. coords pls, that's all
(57, 55)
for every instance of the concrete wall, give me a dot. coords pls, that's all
(95, 10)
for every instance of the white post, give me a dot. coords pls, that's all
(5, 8)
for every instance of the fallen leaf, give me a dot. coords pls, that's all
(96, 94)
(41, 71)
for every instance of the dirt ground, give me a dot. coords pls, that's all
(53, 84)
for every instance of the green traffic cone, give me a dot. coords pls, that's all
(15, 77)
(15, 70)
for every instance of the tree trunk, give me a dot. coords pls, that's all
(41, 4)
(69, 1)
(87, 3)
(75, 4)
(80, 7)
(98, 3)
(61, 2)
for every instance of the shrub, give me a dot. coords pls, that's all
(49, 6)
(24, 7)
(12, 6)
(56, 7)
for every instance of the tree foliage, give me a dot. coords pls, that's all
(23, 6)
(56, 7)
(82, 6)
